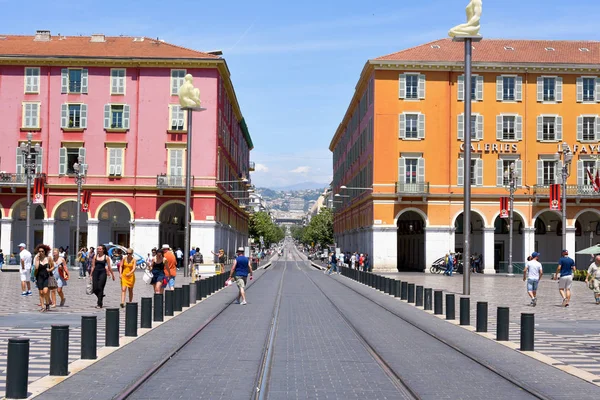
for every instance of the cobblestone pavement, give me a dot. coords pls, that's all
(570, 335)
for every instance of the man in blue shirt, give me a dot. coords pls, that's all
(564, 274)
(239, 271)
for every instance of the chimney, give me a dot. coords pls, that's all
(42, 36)
(98, 38)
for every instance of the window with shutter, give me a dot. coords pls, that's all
(39, 157)
(177, 77)
(559, 85)
(499, 126)
(580, 172)
(117, 81)
(32, 80)
(412, 86)
(519, 165)
(178, 118)
(461, 88)
(461, 127)
(499, 88)
(519, 88)
(580, 128)
(31, 115)
(540, 172)
(62, 161)
(421, 170)
(479, 86)
(83, 116)
(540, 88)
(126, 116)
(107, 116)
(64, 80)
(588, 128)
(421, 86)
(559, 128)
(402, 86)
(402, 126)
(19, 167)
(421, 118)
(460, 179)
(74, 116)
(479, 172)
(411, 166)
(500, 181)
(479, 121)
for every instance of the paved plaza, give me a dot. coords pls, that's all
(570, 335)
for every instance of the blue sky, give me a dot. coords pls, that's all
(295, 64)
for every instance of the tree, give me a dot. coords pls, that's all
(320, 229)
(262, 225)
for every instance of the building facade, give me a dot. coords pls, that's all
(112, 102)
(402, 136)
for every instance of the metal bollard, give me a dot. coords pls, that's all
(450, 306)
(404, 291)
(192, 293)
(419, 296)
(17, 368)
(411, 292)
(169, 294)
(437, 303)
(428, 303)
(482, 316)
(465, 311)
(89, 337)
(178, 299)
(527, 331)
(185, 301)
(158, 307)
(59, 350)
(131, 316)
(199, 290)
(146, 320)
(388, 285)
(502, 324)
(112, 328)
(397, 288)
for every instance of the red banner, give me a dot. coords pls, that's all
(503, 207)
(38, 191)
(86, 197)
(555, 196)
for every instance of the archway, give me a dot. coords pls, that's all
(548, 236)
(476, 229)
(65, 227)
(19, 225)
(114, 223)
(410, 235)
(502, 243)
(587, 233)
(171, 228)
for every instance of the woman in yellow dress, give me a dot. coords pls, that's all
(127, 271)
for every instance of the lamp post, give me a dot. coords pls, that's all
(80, 169)
(28, 152)
(567, 157)
(512, 175)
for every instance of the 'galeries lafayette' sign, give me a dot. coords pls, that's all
(492, 147)
(582, 148)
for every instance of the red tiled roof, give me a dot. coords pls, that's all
(493, 51)
(82, 46)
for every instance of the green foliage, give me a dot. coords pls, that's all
(318, 231)
(262, 225)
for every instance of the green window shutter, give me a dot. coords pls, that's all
(580, 128)
(559, 88)
(460, 179)
(579, 89)
(126, 115)
(519, 88)
(83, 117)
(62, 161)
(402, 126)
(499, 172)
(499, 88)
(540, 172)
(84, 80)
(479, 127)
(421, 127)
(540, 88)
(460, 130)
(20, 159)
(402, 86)
(38, 160)
(461, 88)
(479, 89)
(558, 128)
(64, 80)
(64, 115)
(107, 116)
(518, 127)
(540, 128)
(421, 90)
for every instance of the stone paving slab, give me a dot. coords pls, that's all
(546, 379)
(570, 335)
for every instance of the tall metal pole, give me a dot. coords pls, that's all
(564, 201)
(512, 221)
(188, 195)
(467, 173)
(78, 210)
(28, 177)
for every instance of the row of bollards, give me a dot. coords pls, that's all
(433, 299)
(17, 369)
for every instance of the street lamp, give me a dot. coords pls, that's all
(512, 175)
(79, 168)
(28, 152)
(567, 157)
(354, 188)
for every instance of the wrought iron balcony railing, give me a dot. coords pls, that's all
(165, 181)
(9, 179)
(572, 190)
(412, 188)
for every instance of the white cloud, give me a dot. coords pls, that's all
(261, 168)
(301, 170)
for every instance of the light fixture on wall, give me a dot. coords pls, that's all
(23, 213)
(64, 214)
(175, 220)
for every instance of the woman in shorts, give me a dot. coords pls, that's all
(593, 278)
(43, 267)
(158, 272)
(61, 274)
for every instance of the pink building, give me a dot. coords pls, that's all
(113, 101)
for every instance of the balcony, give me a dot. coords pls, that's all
(17, 180)
(412, 189)
(165, 181)
(252, 166)
(572, 191)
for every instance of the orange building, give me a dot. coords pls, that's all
(403, 133)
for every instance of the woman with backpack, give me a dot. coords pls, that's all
(61, 275)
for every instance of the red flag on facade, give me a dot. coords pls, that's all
(85, 200)
(555, 196)
(597, 181)
(503, 207)
(593, 181)
(38, 191)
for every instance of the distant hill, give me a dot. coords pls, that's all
(301, 186)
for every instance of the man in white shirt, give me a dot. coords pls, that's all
(179, 256)
(25, 271)
(532, 274)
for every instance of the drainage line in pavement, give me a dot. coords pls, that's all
(148, 374)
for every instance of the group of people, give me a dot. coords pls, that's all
(533, 272)
(356, 260)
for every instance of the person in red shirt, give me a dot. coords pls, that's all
(170, 267)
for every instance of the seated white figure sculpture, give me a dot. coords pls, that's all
(189, 96)
(471, 28)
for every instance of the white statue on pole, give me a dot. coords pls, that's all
(189, 96)
(471, 28)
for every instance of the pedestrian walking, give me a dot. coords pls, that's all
(353, 261)
(179, 257)
(367, 263)
(220, 259)
(240, 270)
(158, 271)
(333, 264)
(449, 264)
(592, 278)
(88, 264)
(127, 274)
(61, 276)
(43, 270)
(170, 266)
(25, 271)
(532, 273)
(82, 255)
(564, 274)
(1, 259)
(101, 267)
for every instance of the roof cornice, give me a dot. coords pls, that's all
(111, 61)
(482, 66)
